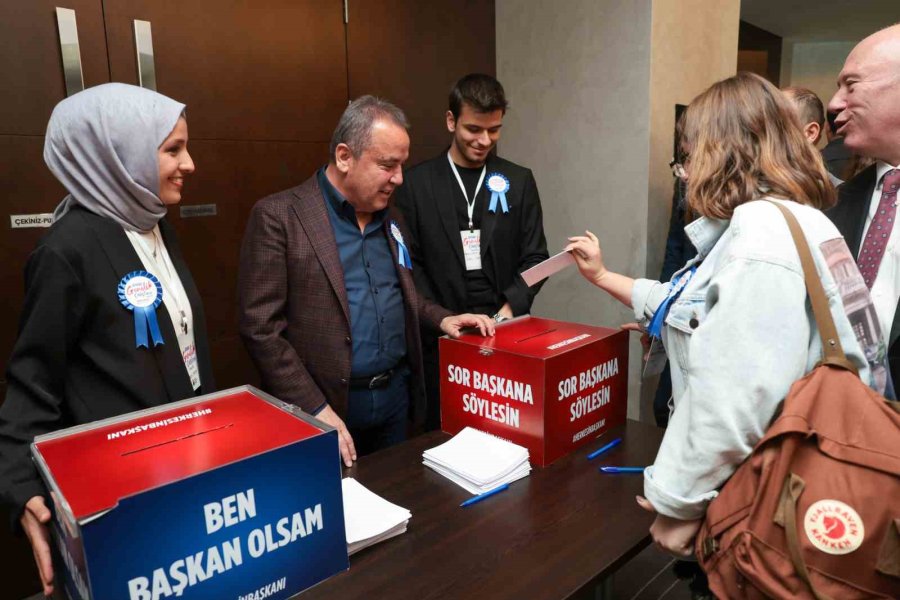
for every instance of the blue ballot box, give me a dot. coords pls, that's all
(233, 495)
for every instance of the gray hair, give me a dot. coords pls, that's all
(355, 127)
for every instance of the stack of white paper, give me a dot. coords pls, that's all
(369, 518)
(478, 461)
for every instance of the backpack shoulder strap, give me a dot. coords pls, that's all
(831, 343)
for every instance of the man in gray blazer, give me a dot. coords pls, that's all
(867, 105)
(328, 308)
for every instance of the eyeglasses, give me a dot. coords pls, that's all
(677, 169)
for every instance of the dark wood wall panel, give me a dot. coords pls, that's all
(30, 64)
(32, 81)
(422, 152)
(267, 70)
(27, 187)
(32, 78)
(759, 51)
(231, 363)
(411, 53)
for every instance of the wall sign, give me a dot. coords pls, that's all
(38, 220)
(197, 210)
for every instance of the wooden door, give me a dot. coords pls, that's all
(33, 82)
(264, 83)
(32, 79)
(411, 53)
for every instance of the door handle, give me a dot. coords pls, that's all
(143, 46)
(69, 50)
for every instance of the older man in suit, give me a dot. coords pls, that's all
(867, 105)
(328, 307)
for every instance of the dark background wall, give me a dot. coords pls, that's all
(759, 52)
(264, 83)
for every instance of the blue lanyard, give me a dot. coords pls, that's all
(677, 286)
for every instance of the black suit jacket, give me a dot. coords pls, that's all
(75, 359)
(510, 242)
(849, 215)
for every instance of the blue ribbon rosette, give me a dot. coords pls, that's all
(403, 257)
(141, 293)
(499, 185)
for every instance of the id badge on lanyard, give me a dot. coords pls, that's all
(471, 243)
(471, 237)
(189, 356)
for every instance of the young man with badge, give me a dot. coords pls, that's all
(326, 293)
(474, 219)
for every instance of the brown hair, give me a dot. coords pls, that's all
(745, 142)
(482, 92)
(808, 105)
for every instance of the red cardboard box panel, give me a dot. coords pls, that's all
(548, 385)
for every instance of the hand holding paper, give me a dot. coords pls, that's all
(587, 254)
(582, 250)
(549, 267)
(586, 251)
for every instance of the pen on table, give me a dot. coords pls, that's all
(622, 469)
(486, 494)
(609, 446)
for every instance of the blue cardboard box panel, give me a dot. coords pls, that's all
(233, 495)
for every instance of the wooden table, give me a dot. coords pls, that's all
(561, 530)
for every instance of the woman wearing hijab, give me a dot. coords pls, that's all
(112, 321)
(735, 321)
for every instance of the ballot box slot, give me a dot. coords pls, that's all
(539, 334)
(178, 439)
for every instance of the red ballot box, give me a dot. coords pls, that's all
(550, 386)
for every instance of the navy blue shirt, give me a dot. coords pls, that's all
(377, 317)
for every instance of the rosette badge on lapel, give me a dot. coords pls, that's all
(402, 251)
(499, 185)
(141, 293)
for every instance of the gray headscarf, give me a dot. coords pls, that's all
(102, 145)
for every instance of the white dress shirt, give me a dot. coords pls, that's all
(886, 289)
(155, 258)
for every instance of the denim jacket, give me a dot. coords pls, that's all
(739, 335)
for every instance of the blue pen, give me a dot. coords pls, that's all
(622, 469)
(610, 445)
(487, 494)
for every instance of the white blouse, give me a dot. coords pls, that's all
(155, 258)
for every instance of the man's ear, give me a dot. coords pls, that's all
(343, 157)
(451, 122)
(813, 132)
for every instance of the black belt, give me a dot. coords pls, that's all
(376, 381)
